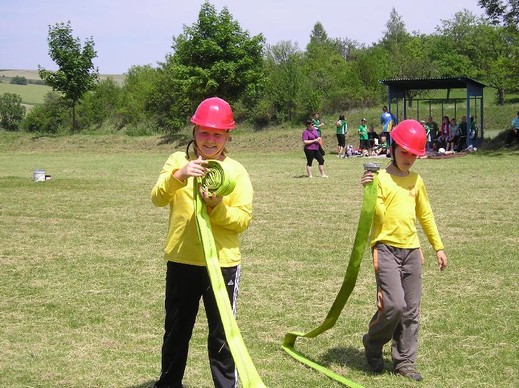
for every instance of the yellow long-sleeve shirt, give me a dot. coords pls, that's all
(402, 200)
(231, 217)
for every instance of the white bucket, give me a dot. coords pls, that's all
(39, 175)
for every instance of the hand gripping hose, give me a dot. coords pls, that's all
(350, 278)
(219, 180)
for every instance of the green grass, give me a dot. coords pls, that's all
(31, 94)
(82, 280)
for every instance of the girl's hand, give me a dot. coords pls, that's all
(193, 168)
(442, 259)
(211, 199)
(366, 178)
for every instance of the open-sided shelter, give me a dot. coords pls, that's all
(471, 106)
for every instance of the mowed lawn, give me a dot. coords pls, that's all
(82, 278)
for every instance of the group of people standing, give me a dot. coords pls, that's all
(370, 143)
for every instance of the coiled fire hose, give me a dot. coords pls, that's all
(219, 180)
(350, 278)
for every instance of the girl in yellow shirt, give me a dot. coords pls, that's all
(397, 257)
(187, 280)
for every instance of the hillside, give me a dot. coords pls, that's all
(497, 118)
(7, 74)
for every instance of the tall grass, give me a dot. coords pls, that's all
(82, 278)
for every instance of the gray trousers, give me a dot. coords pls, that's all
(398, 274)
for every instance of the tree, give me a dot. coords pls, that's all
(212, 57)
(101, 104)
(137, 92)
(470, 46)
(283, 63)
(50, 117)
(12, 111)
(501, 12)
(17, 80)
(76, 74)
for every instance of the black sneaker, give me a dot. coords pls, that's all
(373, 357)
(410, 372)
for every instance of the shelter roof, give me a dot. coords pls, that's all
(432, 83)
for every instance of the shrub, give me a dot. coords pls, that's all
(19, 80)
(12, 111)
(51, 117)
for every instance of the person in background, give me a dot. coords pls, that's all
(373, 139)
(386, 119)
(311, 141)
(431, 128)
(462, 130)
(454, 135)
(317, 123)
(397, 256)
(513, 134)
(187, 279)
(363, 138)
(341, 131)
(382, 147)
(444, 132)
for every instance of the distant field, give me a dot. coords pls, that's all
(31, 94)
(34, 94)
(10, 73)
(33, 75)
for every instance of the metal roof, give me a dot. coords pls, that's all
(432, 83)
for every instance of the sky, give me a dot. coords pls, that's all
(129, 33)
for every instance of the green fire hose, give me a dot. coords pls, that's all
(220, 181)
(350, 278)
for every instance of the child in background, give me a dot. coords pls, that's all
(363, 137)
(381, 148)
(397, 257)
(341, 131)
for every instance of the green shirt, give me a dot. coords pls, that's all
(342, 127)
(317, 125)
(363, 132)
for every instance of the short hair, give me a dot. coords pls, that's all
(308, 122)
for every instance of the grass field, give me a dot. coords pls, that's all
(33, 94)
(82, 277)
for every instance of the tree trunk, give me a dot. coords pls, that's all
(74, 125)
(500, 96)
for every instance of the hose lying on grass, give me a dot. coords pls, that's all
(350, 278)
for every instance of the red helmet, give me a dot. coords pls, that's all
(410, 135)
(214, 113)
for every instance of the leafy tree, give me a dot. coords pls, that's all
(373, 64)
(283, 64)
(12, 111)
(318, 36)
(502, 12)
(140, 84)
(468, 45)
(100, 104)
(50, 117)
(212, 57)
(76, 74)
(395, 35)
